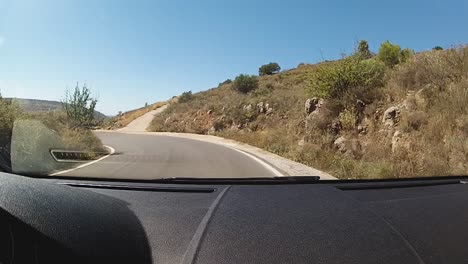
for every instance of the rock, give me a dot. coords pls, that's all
(395, 139)
(167, 120)
(362, 129)
(211, 131)
(335, 127)
(209, 112)
(301, 143)
(269, 111)
(311, 105)
(320, 117)
(348, 147)
(400, 141)
(247, 107)
(261, 108)
(235, 127)
(360, 105)
(340, 144)
(391, 116)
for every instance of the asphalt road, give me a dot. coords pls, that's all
(140, 156)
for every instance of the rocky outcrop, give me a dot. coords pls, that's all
(391, 116)
(264, 108)
(320, 116)
(348, 147)
(311, 105)
(400, 141)
(247, 107)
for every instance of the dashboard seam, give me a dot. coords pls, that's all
(192, 249)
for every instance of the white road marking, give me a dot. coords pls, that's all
(263, 163)
(111, 151)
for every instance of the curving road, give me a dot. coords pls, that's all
(141, 156)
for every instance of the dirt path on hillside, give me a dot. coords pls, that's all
(142, 123)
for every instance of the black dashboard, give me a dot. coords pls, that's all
(84, 221)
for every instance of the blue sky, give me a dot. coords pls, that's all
(132, 52)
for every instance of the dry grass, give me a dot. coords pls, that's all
(434, 121)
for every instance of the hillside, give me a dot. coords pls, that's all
(35, 105)
(364, 116)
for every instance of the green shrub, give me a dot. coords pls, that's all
(80, 106)
(245, 83)
(406, 55)
(334, 79)
(363, 50)
(185, 97)
(9, 112)
(348, 119)
(269, 69)
(389, 53)
(228, 81)
(437, 48)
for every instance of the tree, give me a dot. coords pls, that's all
(185, 97)
(269, 69)
(389, 53)
(437, 48)
(228, 81)
(363, 50)
(406, 54)
(80, 106)
(245, 83)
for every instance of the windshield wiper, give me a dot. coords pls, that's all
(253, 180)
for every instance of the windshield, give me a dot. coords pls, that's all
(146, 90)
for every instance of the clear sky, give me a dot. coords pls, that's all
(132, 52)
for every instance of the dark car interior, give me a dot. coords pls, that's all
(224, 221)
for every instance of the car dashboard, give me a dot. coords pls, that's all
(87, 221)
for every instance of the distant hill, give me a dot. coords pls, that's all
(35, 105)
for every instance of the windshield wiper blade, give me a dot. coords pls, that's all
(252, 180)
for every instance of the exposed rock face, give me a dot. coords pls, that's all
(211, 131)
(348, 147)
(391, 116)
(335, 126)
(247, 107)
(400, 141)
(320, 116)
(311, 105)
(261, 108)
(301, 143)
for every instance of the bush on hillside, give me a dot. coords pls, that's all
(9, 112)
(334, 79)
(406, 54)
(269, 69)
(245, 83)
(389, 53)
(363, 50)
(228, 81)
(80, 106)
(185, 97)
(437, 48)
